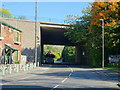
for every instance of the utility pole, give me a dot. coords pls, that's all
(36, 21)
(102, 43)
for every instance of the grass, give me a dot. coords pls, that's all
(115, 69)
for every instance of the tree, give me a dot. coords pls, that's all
(109, 11)
(87, 29)
(5, 13)
(22, 17)
(68, 54)
(57, 51)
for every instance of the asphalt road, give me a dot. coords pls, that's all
(60, 77)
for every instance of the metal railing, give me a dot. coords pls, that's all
(13, 68)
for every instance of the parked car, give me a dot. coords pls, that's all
(114, 58)
(50, 58)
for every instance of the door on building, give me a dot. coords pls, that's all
(7, 54)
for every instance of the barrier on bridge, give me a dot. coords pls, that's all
(13, 68)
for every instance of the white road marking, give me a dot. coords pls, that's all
(46, 69)
(56, 86)
(70, 74)
(64, 79)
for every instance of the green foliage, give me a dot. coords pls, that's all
(5, 13)
(56, 50)
(78, 30)
(68, 54)
(57, 56)
(95, 57)
(88, 29)
(114, 67)
(17, 62)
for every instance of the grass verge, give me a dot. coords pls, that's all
(115, 69)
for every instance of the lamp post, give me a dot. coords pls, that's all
(102, 42)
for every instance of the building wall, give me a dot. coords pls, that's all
(28, 36)
(8, 35)
(27, 27)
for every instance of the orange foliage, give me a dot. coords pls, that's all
(101, 14)
(104, 10)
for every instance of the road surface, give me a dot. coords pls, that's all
(52, 77)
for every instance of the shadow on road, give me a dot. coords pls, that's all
(44, 88)
(85, 73)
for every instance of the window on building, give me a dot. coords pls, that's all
(16, 36)
(1, 30)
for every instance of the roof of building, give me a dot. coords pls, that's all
(10, 26)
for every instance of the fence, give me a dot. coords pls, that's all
(13, 68)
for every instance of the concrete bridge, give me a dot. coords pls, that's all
(53, 34)
(47, 33)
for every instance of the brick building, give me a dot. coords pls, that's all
(10, 44)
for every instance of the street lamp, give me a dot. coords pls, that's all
(102, 42)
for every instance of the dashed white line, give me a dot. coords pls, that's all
(70, 74)
(64, 79)
(55, 87)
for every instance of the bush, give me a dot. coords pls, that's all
(68, 54)
(95, 57)
(17, 62)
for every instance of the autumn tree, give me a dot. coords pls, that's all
(89, 30)
(109, 11)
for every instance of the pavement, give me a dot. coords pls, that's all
(62, 77)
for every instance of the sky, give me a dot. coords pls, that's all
(47, 11)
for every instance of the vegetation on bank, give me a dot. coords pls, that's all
(56, 50)
(115, 69)
(68, 54)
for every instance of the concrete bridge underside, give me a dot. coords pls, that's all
(54, 36)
